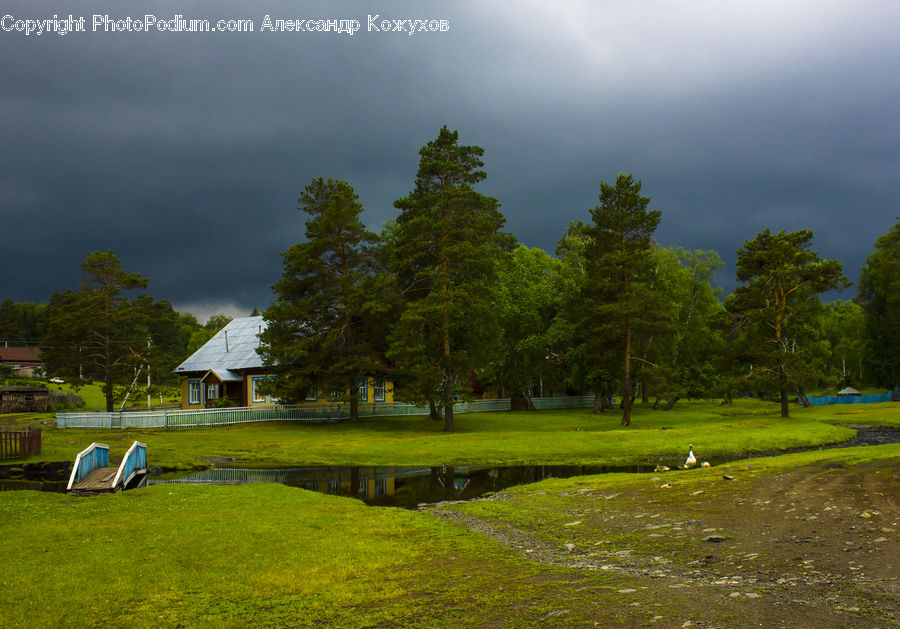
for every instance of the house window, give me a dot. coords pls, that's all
(362, 386)
(212, 391)
(194, 392)
(312, 394)
(255, 394)
(334, 395)
(272, 398)
(378, 385)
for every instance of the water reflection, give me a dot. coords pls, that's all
(395, 486)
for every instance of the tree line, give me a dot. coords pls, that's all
(443, 301)
(104, 332)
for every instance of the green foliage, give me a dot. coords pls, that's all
(98, 332)
(680, 348)
(216, 322)
(843, 343)
(526, 299)
(776, 313)
(618, 294)
(323, 330)
(444, 254)
(22, 324)
(879, 295)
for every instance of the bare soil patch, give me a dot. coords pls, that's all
(816, 546)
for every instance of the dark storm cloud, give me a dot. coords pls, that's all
(184, 153)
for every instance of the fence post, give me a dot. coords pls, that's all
(35, 439)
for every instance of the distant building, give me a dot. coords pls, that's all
(229, 367)
(23, 399)
(25, 361)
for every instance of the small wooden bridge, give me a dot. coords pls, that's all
(92, 474)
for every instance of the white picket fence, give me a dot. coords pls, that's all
(313, 413)
(574, 401)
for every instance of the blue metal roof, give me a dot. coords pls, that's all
(233, 347)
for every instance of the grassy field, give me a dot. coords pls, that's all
(266, 555)
(566, 437)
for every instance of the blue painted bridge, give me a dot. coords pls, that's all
(92, 474)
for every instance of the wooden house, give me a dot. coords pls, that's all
(229, 367)
(25, 361)
(24, 399)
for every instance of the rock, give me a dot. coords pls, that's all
(716, 539)
(570, 546)
(576, 523)
(727, 477)
(154, 471)
(558, 612)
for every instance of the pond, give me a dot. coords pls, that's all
(395, 486)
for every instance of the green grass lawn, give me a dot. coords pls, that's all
(268, 555)
(565, 437)
(262, 555)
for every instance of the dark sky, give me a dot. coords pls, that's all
(184, 152)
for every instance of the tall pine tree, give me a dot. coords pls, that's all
(98, 332)
(323, 330)
(777, 309)
(618, 269)
(444, 252)
(879, 295)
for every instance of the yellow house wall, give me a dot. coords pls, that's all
(322, 395)
(248, 390)
(186, 397)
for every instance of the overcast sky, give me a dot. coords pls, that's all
(184, 152)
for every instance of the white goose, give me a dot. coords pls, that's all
(691, 461)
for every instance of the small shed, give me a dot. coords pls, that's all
(24, 399)
(849, 391)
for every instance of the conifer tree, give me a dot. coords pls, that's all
(322, 331)
(444, 253)
(777, 310)
(879, 295)
(98, 331)
(618, 269)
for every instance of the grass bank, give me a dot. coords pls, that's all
(565, 437)
(267, 555)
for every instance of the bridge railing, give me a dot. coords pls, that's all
(94, 456)
(134, 460)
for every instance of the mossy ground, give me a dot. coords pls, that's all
(807, 539)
